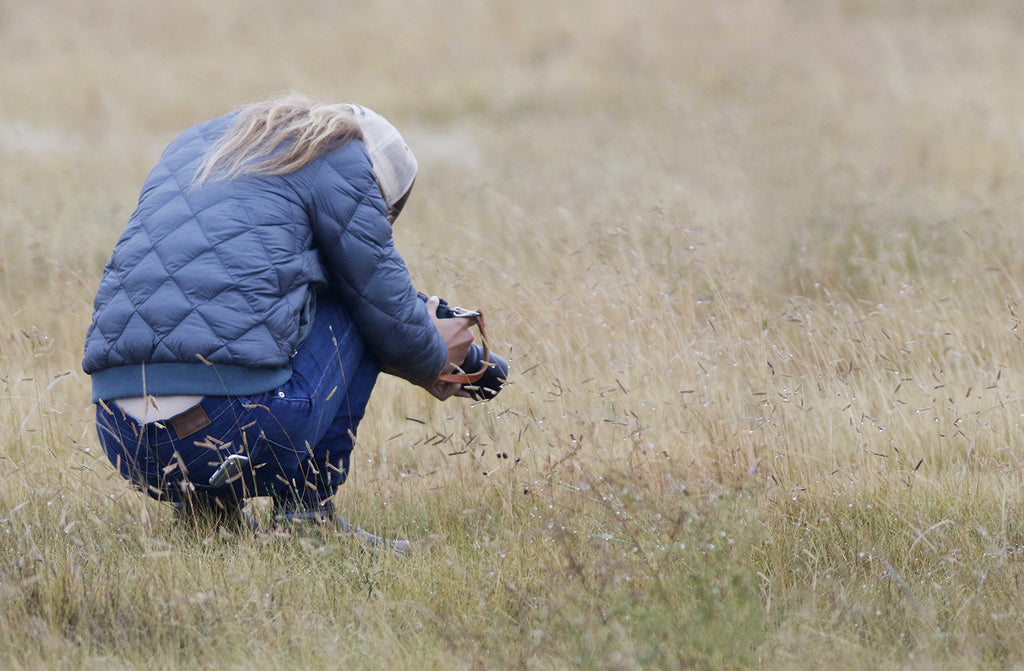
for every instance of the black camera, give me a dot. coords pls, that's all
(495, 369)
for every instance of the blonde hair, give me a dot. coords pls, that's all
(278, 136)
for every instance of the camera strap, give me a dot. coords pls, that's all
(470, 378)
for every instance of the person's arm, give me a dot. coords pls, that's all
(352, 232)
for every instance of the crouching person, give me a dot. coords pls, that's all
(250, 304)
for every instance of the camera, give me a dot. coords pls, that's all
(494, 368)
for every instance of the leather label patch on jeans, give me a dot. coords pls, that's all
(190, 421)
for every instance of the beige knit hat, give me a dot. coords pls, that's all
(393, 162)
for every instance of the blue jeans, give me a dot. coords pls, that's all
(298, 437)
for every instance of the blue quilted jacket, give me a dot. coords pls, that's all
(210, 289)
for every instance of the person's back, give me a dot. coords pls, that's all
(255, 295)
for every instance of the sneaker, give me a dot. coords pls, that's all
(296, 512)
(399, 547)
(209, 510)
(291, 510)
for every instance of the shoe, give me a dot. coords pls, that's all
(399, 547)
(212, 511)
(291, 510)
(296, 512)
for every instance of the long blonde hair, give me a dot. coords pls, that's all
(278, 136)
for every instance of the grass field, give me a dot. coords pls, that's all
(756, 265)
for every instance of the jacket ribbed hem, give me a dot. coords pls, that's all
(165, 379)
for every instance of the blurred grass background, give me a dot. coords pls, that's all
(755, 265)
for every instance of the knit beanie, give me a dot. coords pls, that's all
(393, 162)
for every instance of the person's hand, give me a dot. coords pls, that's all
(458, 337)
(442, 390)
(456, 333)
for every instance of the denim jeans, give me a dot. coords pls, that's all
(298, 437)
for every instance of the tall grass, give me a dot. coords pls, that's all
(755, 264)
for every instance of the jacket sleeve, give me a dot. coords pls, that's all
(353, 235)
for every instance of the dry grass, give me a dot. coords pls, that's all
(755, 265)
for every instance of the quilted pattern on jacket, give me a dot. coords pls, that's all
(222, 272)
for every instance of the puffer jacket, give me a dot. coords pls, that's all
(209, 289)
